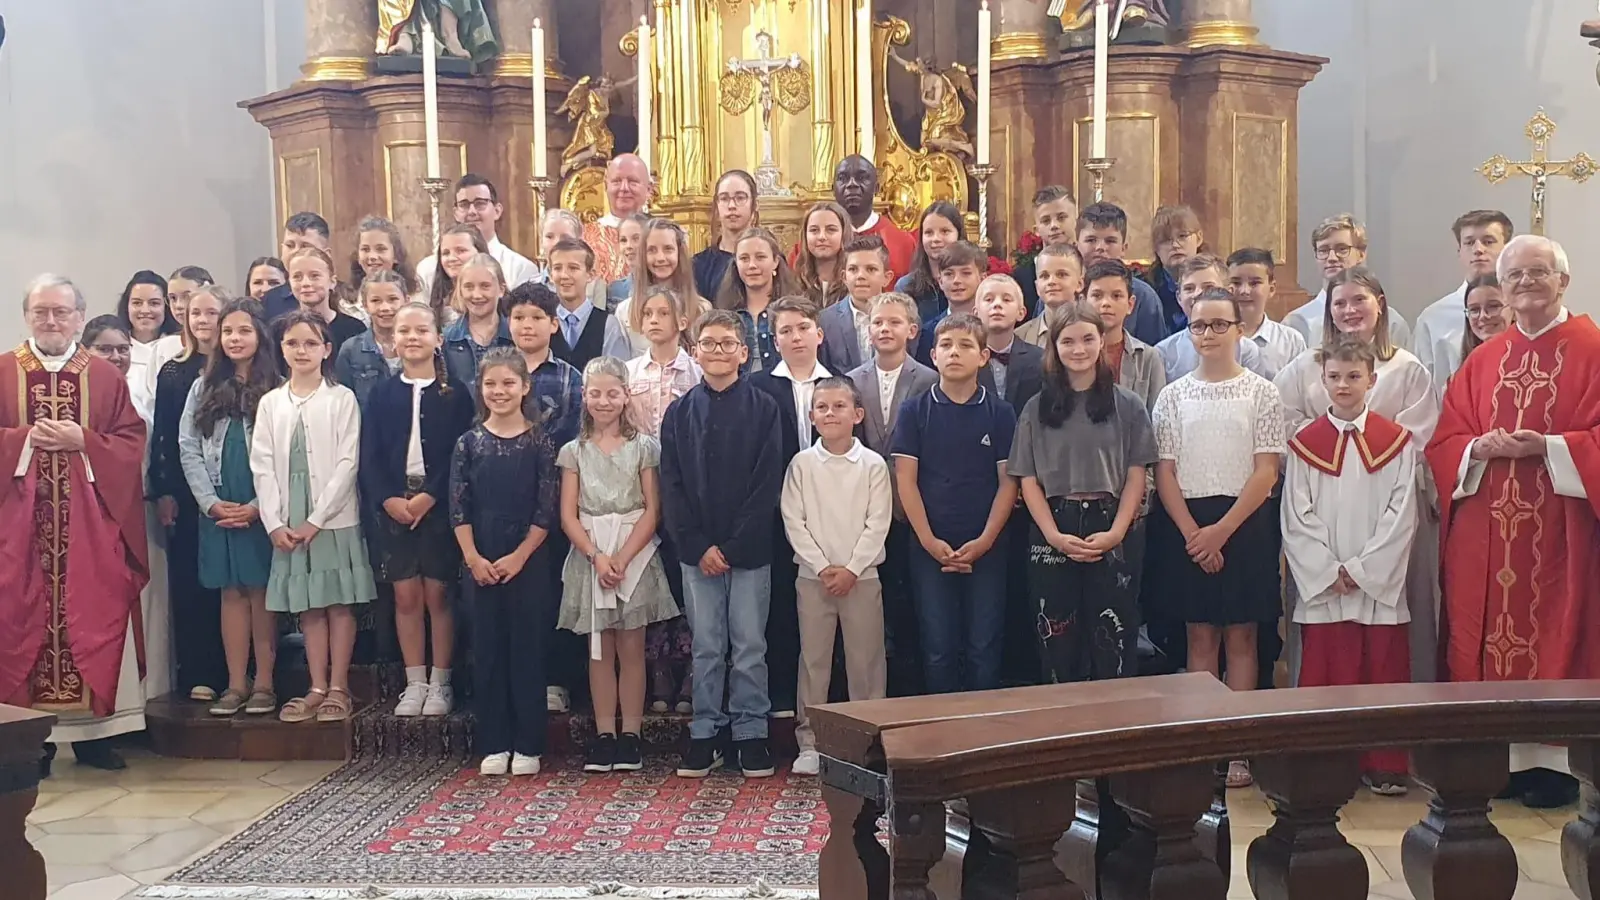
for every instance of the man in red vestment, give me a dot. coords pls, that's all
(72, 541)
(855, 183)
(627, 192)
(1516, 459)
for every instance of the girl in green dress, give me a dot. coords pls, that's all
(303, 456)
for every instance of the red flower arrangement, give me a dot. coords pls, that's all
(1028, 247)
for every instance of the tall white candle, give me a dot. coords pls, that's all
(864, 121)
(430, 96)
(985, 27)
(1102, 50)
(541, 141)
(645, 95)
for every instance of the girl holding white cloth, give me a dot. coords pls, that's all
(614, 582)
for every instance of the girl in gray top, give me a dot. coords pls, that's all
(1081, 449)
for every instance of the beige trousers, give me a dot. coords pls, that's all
(859, 614)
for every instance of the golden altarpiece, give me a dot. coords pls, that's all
(1208, 118)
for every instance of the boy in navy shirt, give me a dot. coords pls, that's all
(950, 448)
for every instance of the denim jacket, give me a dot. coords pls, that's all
(461, 358)
(201, 455)
(361, 365)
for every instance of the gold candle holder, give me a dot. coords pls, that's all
(539, 185)
(1098, 167)
(982, 174)
(436, 188)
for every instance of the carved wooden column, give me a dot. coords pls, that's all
(1208, 22)
(916, 842)
(22, 736)
(1161, 859)
(1023, 826)
(1456, 851)
(340, 37)
(1580, 839)
(513, 27)
(1097, 830)
(1303, 854)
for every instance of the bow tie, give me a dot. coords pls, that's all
(1003, 359)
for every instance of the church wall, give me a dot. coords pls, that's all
(1417, 96)
(121, 147)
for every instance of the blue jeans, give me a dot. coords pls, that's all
(728, 616)
(962, 619)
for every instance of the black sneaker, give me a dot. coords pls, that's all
(602, 754)
(704, 755)
(755, 760)
(628, 758)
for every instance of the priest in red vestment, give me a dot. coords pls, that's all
(855, 183)
(1516, 459)
(627, 192)
(73, 556)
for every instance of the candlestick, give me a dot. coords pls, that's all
(864, 118)
(435, 188)
(1102, 52)
(430, 97)
(538, 184)
(644, 86)
(541, 144)
(985, 26)
(982, 173)
(1098, 167)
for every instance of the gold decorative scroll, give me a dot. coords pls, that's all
(584, 192)
(908, 179)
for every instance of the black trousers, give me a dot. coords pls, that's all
(902, 644)
(566, 654)
(509, 636)
(1087, 613)
(196, 611)
(783, 626)
(1020, 664)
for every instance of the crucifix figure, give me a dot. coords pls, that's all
(784, 81)
(1541, 128)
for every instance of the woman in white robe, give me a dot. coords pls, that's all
(1404, 393)
(153, 330)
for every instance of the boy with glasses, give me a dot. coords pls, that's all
(1197, 276)
(478, 204)
(1339, 243)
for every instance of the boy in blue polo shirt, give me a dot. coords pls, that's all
(950, 448)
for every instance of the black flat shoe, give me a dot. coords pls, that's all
(98, 755)
(1549, 789)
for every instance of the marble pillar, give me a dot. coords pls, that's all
(513, 25)
(340, 36)
(1023, 30)
(1213, 22)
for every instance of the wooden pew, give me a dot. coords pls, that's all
(22, 736)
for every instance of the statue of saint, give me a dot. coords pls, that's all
(588, 105)
(462, 26)
(1130, 14)
(943, 116)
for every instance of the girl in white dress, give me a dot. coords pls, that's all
(142, 309)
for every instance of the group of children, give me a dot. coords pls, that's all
(812, 456)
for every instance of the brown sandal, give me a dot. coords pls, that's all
(336, 707)
(301, 709)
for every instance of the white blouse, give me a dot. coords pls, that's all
(1404, 393)
(144, 364)
(1213, 431)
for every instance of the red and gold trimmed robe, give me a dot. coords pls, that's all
(73, 556)
(1520, 560)
(610, 263)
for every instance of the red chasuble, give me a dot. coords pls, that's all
(74, 557)
(902, 247)
(610, 263)
(1520, 563)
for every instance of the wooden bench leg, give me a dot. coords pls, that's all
(1580, 839)
(1456, 852)
(916, 842)
(1161, 859)
(1303, 855)
(1023, 826)
(852, 864)
(22, 864)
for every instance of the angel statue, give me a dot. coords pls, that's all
(1130, 13)
(943, 114)
(462, 26)
(588, 105)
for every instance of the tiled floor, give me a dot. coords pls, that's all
(105, 834)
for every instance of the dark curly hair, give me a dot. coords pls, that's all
(222, 395)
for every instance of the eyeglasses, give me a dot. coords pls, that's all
(1538, 273)
(1181, 237)
(52, 313)
(1487, 311)
(111, 349)
(1341, 252)
(739, 199)
(730, 345)
(480, 204)
(1216, 326)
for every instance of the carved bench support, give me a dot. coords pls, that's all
(1023, 826)
(1303, 854)
(1456, 853)
(852, 862)
(1161, 860)
(1580, 840)
(1098, 829)
(916, 842)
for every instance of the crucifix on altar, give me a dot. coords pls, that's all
(1541, 128)
(784, 82)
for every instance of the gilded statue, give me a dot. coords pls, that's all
(944, 116)
(588, 105)
(461, 26)
(1131, 14)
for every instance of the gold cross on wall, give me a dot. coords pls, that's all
(1541, 128)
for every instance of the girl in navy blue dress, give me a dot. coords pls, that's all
(504, 500)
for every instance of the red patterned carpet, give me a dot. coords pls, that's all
(387, 827)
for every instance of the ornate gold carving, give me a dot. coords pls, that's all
(1018, 45)
(584, 192)
(1229, 34)
(335, 68)
(908, 179)
(520, 65)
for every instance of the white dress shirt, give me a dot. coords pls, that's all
(1442, 320)
(803, 389)
(415, 467)
(1279, 345)
(887, 379)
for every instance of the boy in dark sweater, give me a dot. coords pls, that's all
(721, 476)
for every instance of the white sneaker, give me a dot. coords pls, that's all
(524, 765)
(807, 763)
(440, 699)
(557, 700)
(412, 700)
(495, 764)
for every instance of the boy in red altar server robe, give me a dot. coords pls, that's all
(1516, 458)
(1349, 517)
(72, 539)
